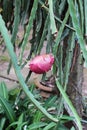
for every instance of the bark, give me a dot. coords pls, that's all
(74, 89)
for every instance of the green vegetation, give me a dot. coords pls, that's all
(62, 26)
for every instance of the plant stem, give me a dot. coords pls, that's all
(77, 118)
(13, 57)
(60, 21)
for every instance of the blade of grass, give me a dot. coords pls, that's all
(49, 126)
(13, 57)
(37, 125)
(20, 122)
(3, 90)
(8, 109)
(2, 123)
(38, 116)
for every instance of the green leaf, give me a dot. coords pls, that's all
(60, 126)
(50, 101)
(7, 109)
(20, 123)
(37, 125)
(37, 117)
(49, 126)
(65, 117)
(3, 90)
(14, 91)
(2, 123)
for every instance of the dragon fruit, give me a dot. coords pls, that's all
(41, 63)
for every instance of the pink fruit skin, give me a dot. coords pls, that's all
(41, 63)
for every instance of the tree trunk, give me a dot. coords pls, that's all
(74, 89)
(75, 81)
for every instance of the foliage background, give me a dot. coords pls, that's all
(62, 24)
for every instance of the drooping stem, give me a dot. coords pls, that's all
(67, 100)
(13, 57)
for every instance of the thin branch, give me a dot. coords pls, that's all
(4, 77)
